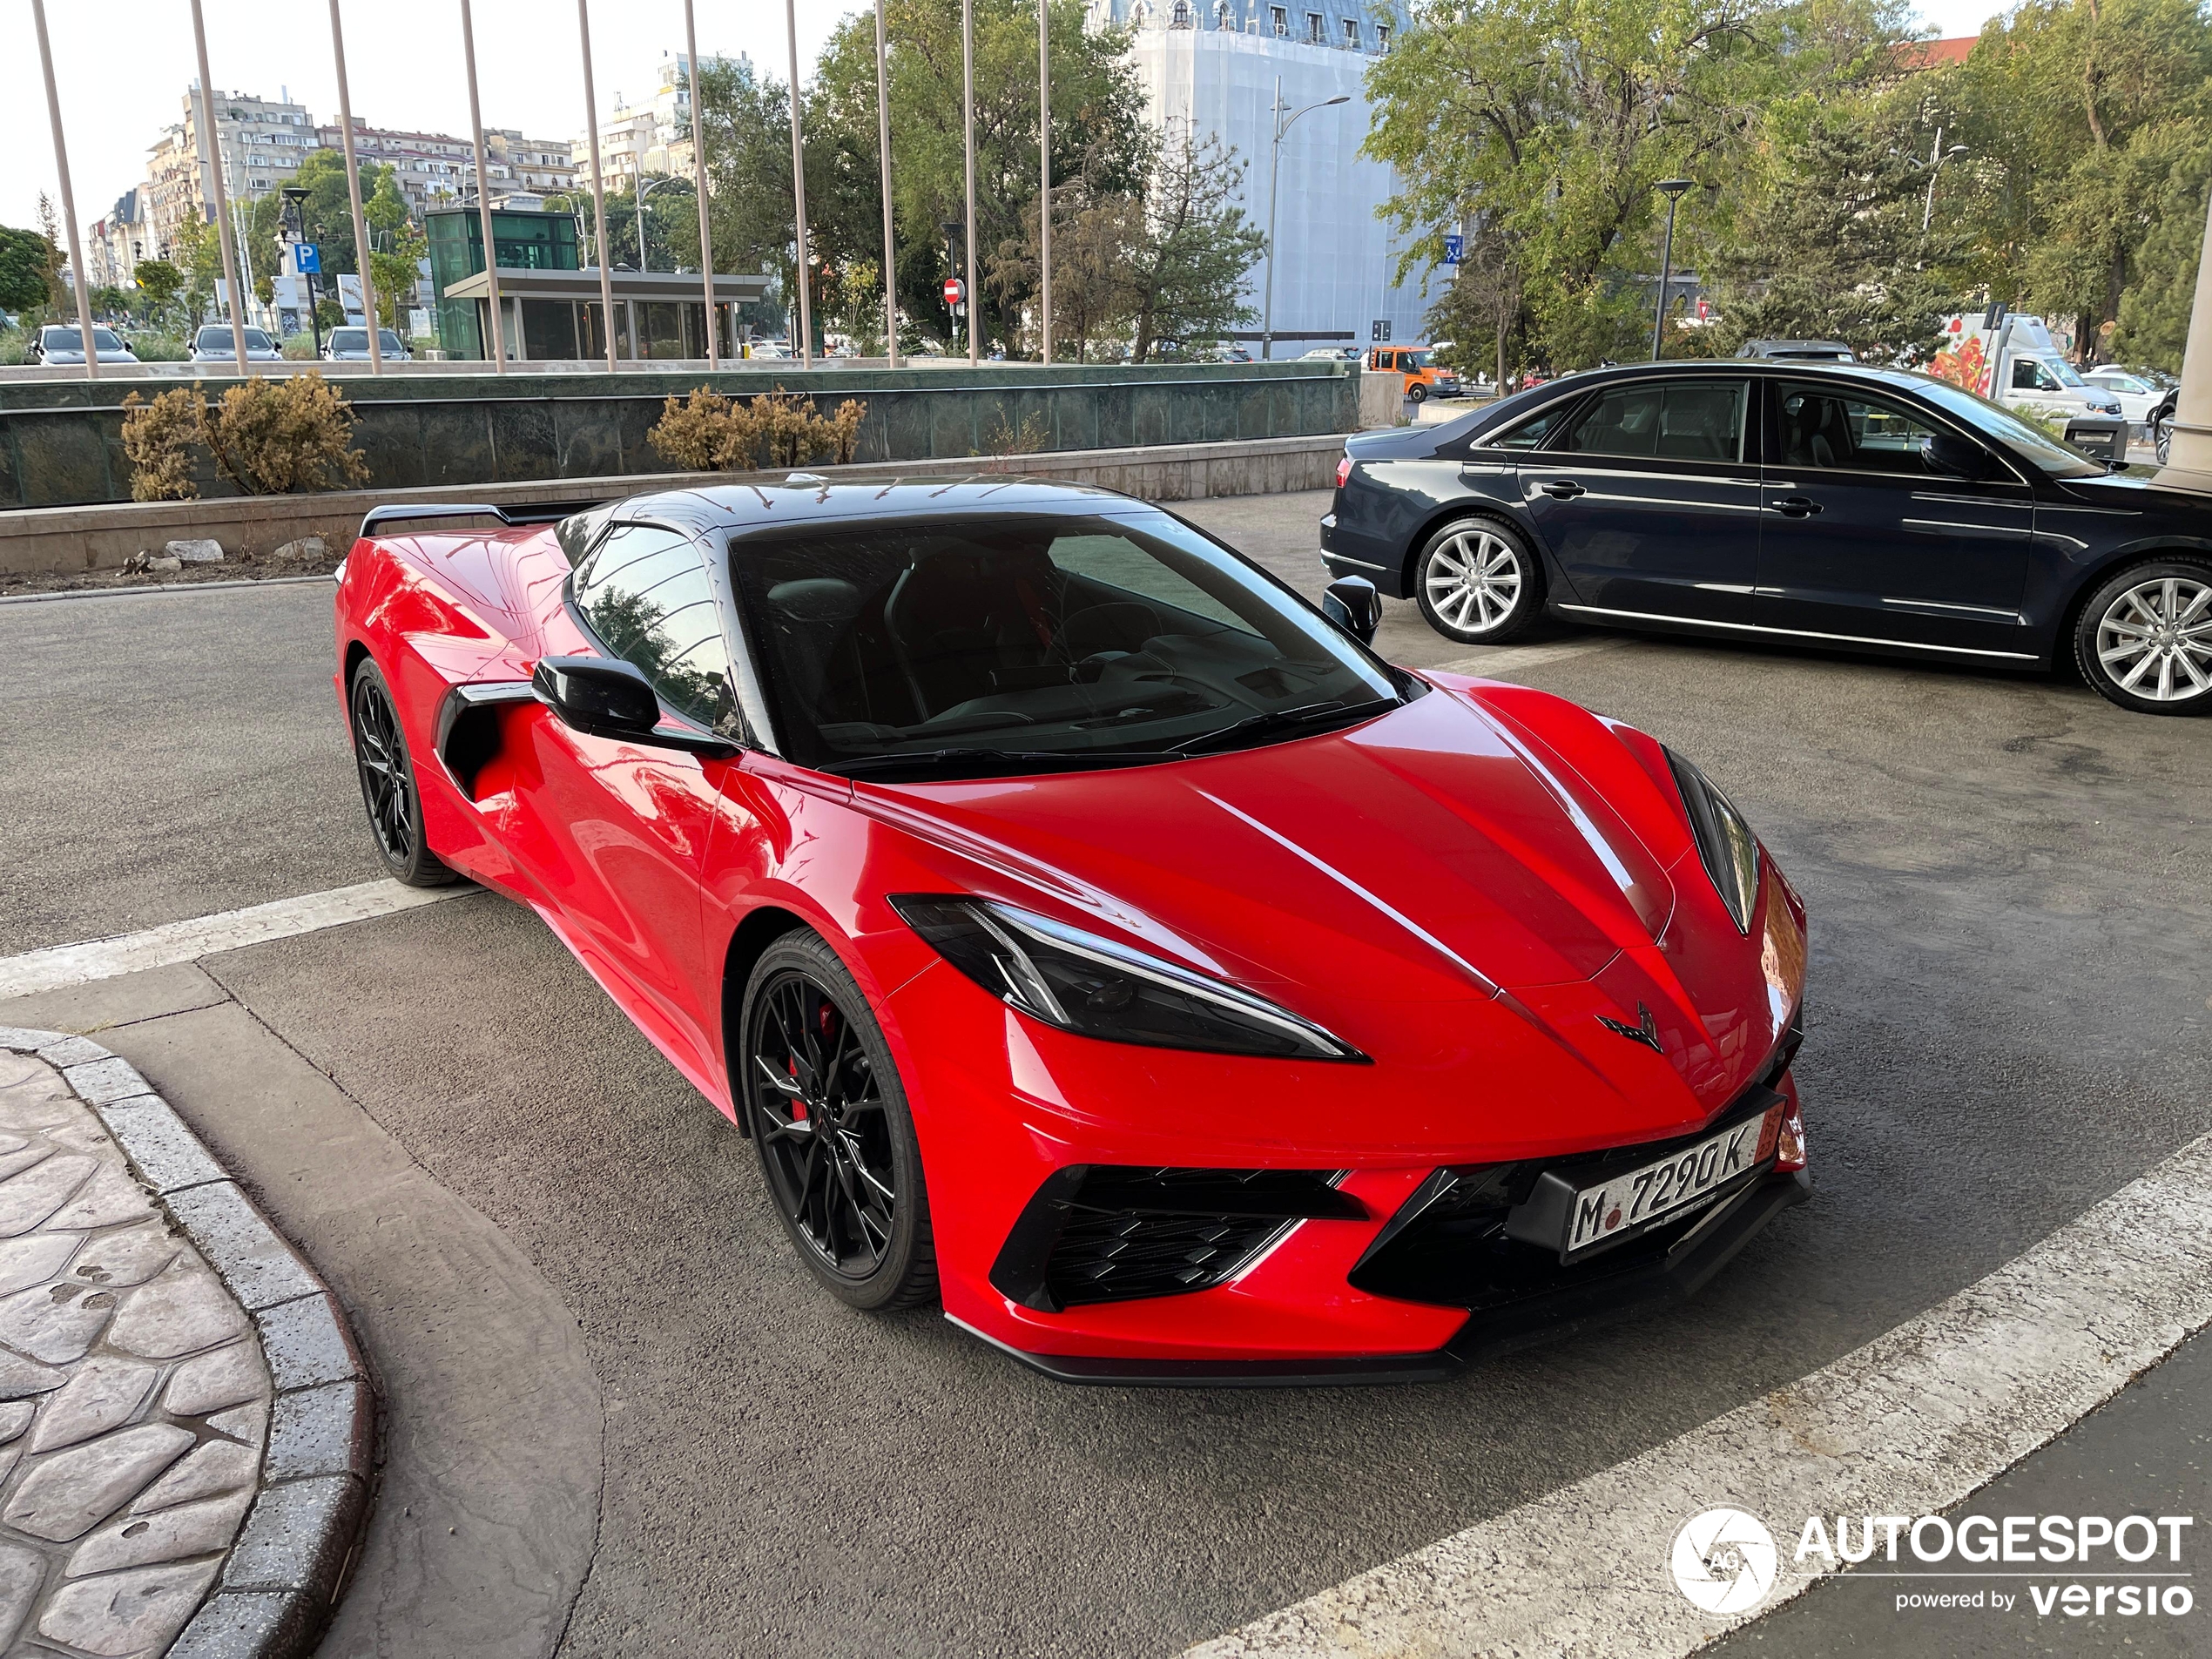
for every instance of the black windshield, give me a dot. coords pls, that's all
(949, 638)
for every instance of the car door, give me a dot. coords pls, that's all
(1649, 499)
(1863, 537)
(618, 830)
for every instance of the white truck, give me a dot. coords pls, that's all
(2011, 360)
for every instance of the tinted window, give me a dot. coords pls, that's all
(1037, 634)
(1820, 427)
(647, 596)
(1531, 434)
(1666, 420)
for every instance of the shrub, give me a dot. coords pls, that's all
(273, 437)
(707, 432)
(157, 436)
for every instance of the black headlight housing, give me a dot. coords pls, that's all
(1725, 843)
(1099, 988)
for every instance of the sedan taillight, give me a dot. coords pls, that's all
(1344, 469)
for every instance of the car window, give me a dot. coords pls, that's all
(646, 595)
(2028, 375)
(1819, 426)
(1046, 634)
(1666, 420)
(1530, 434)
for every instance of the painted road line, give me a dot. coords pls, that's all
(1909, 1425)
(183, 941)
(1504, 662)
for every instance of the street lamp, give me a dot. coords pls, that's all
(1673, 189)
(1274, 166)
(1936, 156)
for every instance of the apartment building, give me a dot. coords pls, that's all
(118, 240)
(648, 134)
(259, 143)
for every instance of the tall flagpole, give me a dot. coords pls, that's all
(798, 193)
(968, 122)
(211, 153)
(69, 198)
(484, 195)
(699, 183)
(353, 194)
(883, 153)
(599, 182)
(1044, 167)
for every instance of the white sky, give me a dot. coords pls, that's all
(123, 67)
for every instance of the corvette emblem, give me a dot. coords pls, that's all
(1647, 1032)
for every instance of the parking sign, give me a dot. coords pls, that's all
(1455, 249)
(309, 258)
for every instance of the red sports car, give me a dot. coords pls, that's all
(1091, 934)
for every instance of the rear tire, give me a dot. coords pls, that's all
(388, 792)
(824, 1106)
(1477, 581)
(2144, 639)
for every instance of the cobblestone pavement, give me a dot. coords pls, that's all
(134, 1398)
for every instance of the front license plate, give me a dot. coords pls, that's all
(1628, 1203)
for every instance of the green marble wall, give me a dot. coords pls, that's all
(60, 441)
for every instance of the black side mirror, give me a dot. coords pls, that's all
(609, 697)
(1956, 457)
(1353, 604)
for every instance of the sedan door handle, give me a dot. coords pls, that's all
(1563, 489)
(1795, 507)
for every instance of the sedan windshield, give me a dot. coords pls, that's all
(217, 337)
(944, 646)
(70, 340)
(2024, 438)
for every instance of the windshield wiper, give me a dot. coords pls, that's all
(1336, 711)
(984, 762)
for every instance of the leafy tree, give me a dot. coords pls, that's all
(160, 282)
(2155, 311)
(58, 291)
(25, 259)
(1186, 268)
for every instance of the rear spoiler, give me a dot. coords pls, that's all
(544, 514)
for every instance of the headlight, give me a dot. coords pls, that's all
(1725, 843)
(1096, 988)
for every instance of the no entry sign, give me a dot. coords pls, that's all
(955, 290)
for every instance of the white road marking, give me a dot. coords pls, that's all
(1504, 662)
(183, 941)
(1915, 1422)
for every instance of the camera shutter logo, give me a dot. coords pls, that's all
(1724, 1561)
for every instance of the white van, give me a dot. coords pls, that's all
(2011, 360)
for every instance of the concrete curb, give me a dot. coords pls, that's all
(282, 1576)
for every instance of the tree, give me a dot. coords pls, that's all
(2155, 311)
(160, 282)
(1185, 268)
(25, 259)
(58, 291)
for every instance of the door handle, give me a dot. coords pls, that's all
(1795, 507)
(1563, 489)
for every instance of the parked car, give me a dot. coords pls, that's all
(2162, 425)
(940, 908)
(2137, 395)
(1337, 354)
(1423, 377)
(1803, 351)
(351, 346)
(213, 344)
(60, 343)
(1829, 505)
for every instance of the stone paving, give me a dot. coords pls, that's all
(134, 1394)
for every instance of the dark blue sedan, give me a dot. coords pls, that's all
(1846, 507)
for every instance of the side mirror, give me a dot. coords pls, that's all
(1353, 604)
(1956, 457)
(609, 697)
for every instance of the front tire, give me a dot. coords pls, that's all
(2162, 440)
(2144, 639)
(1478, 582)
(1417, 392)
(824, 1106)
(388, 792)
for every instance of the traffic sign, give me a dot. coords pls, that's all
(1455, 249)
(955, 290)
(309, 258)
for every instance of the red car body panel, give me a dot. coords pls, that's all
(1540, 874)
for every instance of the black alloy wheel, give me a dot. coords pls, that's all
(823, 1105)
(1477, 581)
(388, 782)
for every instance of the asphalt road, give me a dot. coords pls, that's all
(2011, 958)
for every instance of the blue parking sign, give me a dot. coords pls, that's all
(310, 257)
(1455, 249)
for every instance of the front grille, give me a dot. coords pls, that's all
(1117, 1255)
(1113, 1233)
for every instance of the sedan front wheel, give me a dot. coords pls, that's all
(1477, 581)
(2145, 638)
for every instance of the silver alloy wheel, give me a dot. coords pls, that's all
(2156, 639)
(1473, 580)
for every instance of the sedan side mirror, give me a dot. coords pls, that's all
(1956, 457)
(1353, 604)
(609, 697)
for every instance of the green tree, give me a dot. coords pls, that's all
(160, 283)
(25, 259)
(1185, 271)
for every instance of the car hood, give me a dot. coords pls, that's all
(1434, 853)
